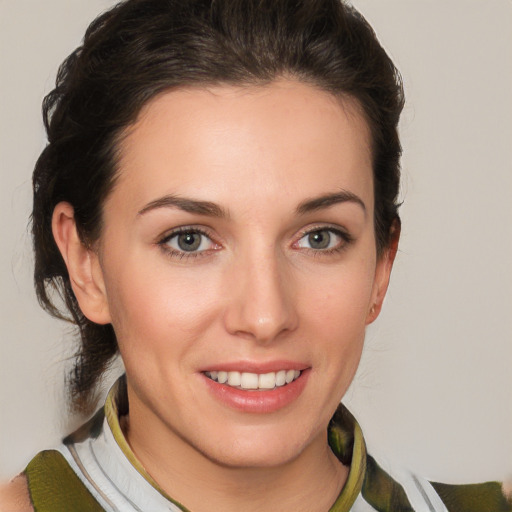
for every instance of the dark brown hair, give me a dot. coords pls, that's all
(141, 48)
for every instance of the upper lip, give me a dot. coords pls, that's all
(256, 367)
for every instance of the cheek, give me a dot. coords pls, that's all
(335, 307)
(151, 306)
(341, 295)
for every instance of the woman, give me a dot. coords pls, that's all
(218, 202)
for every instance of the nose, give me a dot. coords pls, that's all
(261, 304)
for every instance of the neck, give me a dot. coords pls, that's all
(310, 483)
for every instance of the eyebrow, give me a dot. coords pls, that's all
(188, 205)
(327, 200)
(214, 210)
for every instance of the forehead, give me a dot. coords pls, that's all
(256, 139)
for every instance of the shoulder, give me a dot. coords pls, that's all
(54, 486)
(493, 496)
(15, 497)
(47, 485)
(401, 490)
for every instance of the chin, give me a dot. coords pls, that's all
(256, 451)
(256, 459)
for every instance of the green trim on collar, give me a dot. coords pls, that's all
(382, 492)
(347, 443)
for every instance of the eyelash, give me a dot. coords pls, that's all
(173, 253)
(346, 238)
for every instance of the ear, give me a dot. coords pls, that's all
(383, 273)
(83, 265)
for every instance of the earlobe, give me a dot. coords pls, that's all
(383, 273)
(83, 265)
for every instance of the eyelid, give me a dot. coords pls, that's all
(346, 237)
(312, 228)
(163, 241)
(183, 229)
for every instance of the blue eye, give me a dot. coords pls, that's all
(322, 239)
(191, 241)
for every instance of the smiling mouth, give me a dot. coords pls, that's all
(254, 381)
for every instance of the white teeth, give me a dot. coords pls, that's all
(290, 375)
(267, 381)
(246, 380)
(234, 379)
(249, 380)
(281, 378)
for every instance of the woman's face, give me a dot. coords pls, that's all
(239, 244)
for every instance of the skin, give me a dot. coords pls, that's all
(256, 293)
(14, 496)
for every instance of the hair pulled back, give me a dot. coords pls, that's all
(141, 48)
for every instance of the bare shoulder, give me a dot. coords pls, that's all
(14, 496)
(507, 489)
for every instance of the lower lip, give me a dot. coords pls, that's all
(256, 401)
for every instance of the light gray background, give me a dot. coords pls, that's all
(434, 391)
